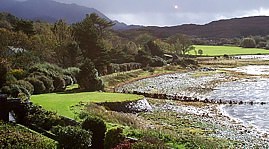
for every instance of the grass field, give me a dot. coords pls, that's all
(229, 50)
(62, 102)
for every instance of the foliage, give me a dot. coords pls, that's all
(39, 86)
(98, 128)
(113, 137)
(143, 57)
(48, 83)
(182, 44)
(43, 118)
(17, 137)
(200, 52)
(157, 62)
(18, 73)
(89, 34)
(47, 69)
(154, 49)
(72, 71)
(3, 72)
(59, 84)
(88, 78)
(72, 137)
(27, 85)
(248, 43)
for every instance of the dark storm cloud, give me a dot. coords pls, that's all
(173, 12)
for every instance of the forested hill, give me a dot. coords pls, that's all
(230, 28)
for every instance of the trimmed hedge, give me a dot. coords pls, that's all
(39, 86)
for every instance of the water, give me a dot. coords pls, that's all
(254, 89)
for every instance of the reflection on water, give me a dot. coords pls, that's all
(257, 90)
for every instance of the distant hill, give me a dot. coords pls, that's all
(230, 28)
(51, 11)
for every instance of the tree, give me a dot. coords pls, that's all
(182, 44)
(248, 43)
(200, 52)
(88, 78)
(154, 49)
(89, 35)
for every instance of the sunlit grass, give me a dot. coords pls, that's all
(62, 102)
(229, 50)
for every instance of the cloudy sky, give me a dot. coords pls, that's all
(175, 12)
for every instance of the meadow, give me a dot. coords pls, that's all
(64, 103)
(228, 50)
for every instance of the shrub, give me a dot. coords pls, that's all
(68, 80)
(48, 83)
(39, 86)
(6, 90)
(27, 85)
(17, 137)
(18, 73)
(157, 62)
(144, 145)
(59, 84)
(71, 71)
(88, 78)
(248, 43)
(43, 118)
(3, 72)
(72, 137)
(98, 129)
(113, 138)
(47, 68)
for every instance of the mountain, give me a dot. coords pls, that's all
(230, 28)
(51, 11)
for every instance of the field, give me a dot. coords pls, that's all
(62, 103)
(229, 50)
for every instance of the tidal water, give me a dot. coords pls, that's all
(254, 89)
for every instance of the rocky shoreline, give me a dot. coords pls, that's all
(217, 121)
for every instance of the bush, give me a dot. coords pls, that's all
(88, 78)
(113, 138)
(68, 80)
(248, 43)
(47, 69)
(59, 84)
(98, 129)
(18, 73)
(72, 137)
(17, 137)
(157, 62)
(144, 145)
(48, 83)
(3, 72)
(6, 90)
(42, 118)
(73, 71)
(39, 86)
(27, 85)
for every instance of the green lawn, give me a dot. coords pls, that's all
(62, 102)
(229, 50)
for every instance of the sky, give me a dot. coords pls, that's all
(175, 12)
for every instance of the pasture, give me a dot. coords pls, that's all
(229, 50)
